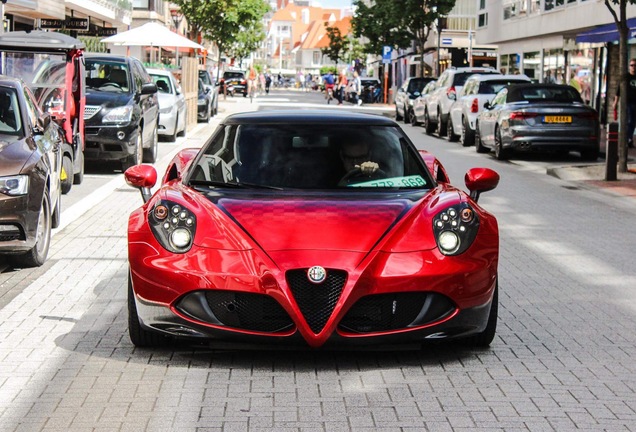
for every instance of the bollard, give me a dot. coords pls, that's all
(611, 152)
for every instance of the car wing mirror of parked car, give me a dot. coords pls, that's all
(148, 88)
(487, 105)
(480, 180)
(43, 122)
(142, 177)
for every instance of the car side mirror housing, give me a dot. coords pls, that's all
(487, 105)
(42, 123)
(480, 180)
(142, 177)
(148, 88)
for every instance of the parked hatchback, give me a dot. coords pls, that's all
(30, 175)
(449, 84)
(172, 105)
(406, 95)
(122, 110)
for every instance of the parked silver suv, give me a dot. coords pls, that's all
(448, 85)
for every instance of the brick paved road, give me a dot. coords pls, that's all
(563, 358)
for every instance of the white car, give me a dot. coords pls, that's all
(419, 105)
(477, 90)
(406, 95)
(449, 84)
(172, 105)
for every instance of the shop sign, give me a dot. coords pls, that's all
(68, 24)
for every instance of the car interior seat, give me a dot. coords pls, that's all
(7, 115)
(119, 76)
(162, 86)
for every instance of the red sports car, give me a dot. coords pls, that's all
(311, 227)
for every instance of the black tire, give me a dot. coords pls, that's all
(479, 147)
(430, 128)
(501, 153)
(485, 338)
(441, 126)
(590, 155)
(67, 182)
(398, 117)
(407, 118)
(78, 176)
(150, 154)
(414, 121)
(137, 156)
(139, 336)
(173, 137)
(452, 136)
(182, 133)
(37, 255)
(468, 135)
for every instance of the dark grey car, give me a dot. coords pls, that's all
(30, 168)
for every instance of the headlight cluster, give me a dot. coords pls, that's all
(14, 185)
(118, 115)
(173, 226)
(455, 229)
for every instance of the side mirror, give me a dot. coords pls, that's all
(42, 123)
(208, 90)
(480, 180)
(142, 177)
(148, 88)
(487, 105)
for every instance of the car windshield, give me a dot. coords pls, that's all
(107, 76)
(539, 94)
(416, 85)
(205, 77)
(492, 87)
(10, 123)
(306, 156)
(163, 83)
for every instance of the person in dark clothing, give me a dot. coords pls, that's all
(631, 102)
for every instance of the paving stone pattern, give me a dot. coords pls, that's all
(563, 358)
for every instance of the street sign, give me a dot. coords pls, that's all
(447, 41)
(386, 54)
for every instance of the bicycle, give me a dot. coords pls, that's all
(252, 89)
(329, 96)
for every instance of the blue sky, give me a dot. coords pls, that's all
(335, 3)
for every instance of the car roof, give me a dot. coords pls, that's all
(316, 116)
(105, 56)
(495, 77)
(9, 81)
(38, 40)
(159, 72)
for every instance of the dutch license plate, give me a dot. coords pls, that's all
(557, 119)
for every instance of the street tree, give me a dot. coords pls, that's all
(338, 44)
(620, 18)
(247, 41)
(399, 24)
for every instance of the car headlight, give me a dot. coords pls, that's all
(202, 101)
(14, 185)
(118, 115)
(173, 226)
(455, 229)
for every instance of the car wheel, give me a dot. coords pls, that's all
(441, 127)
(37, 256)
(173, 137)
(78, 176)
(56, 216)
(137, 156)
(150, 154)
(414, 121)
(590, 155)
(182, 132)
(468, 135)
(452, 136)
(479, 147)
(139, 336)
(427, 124)
(485, 338)
(398, 117)
(500, 153)
(67, 176)
(407, 115)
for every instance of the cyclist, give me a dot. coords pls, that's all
(252, 83)
(330, 82)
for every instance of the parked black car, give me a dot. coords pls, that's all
(208, 82)
(30, 175)
(204, 102)
(122, 110)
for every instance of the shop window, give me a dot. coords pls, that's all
(532, 65)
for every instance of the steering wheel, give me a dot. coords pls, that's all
(357, 174)
(110, 83)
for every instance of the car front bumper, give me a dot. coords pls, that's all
(110, 142)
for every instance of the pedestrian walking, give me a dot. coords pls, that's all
(356, 89)
(631, 102)
(340, 87)
(268, 82)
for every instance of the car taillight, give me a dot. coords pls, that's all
(243, 81)
(474, 108)
(520, 115)
(451, 93)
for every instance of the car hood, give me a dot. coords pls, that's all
(13, 155)
(107, 99)
(166, 100)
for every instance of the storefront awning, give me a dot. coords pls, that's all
(606, 33)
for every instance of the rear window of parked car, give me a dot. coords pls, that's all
(228, 75)
(543, 94)
(460, 78)
(492, 87)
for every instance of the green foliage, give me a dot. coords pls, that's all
(326, 69)
(338, 44)
(397, 24)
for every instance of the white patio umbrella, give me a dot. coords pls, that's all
(153, 35)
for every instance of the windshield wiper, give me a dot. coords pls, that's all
(242, 185)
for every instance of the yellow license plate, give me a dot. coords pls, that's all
(557, 119)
